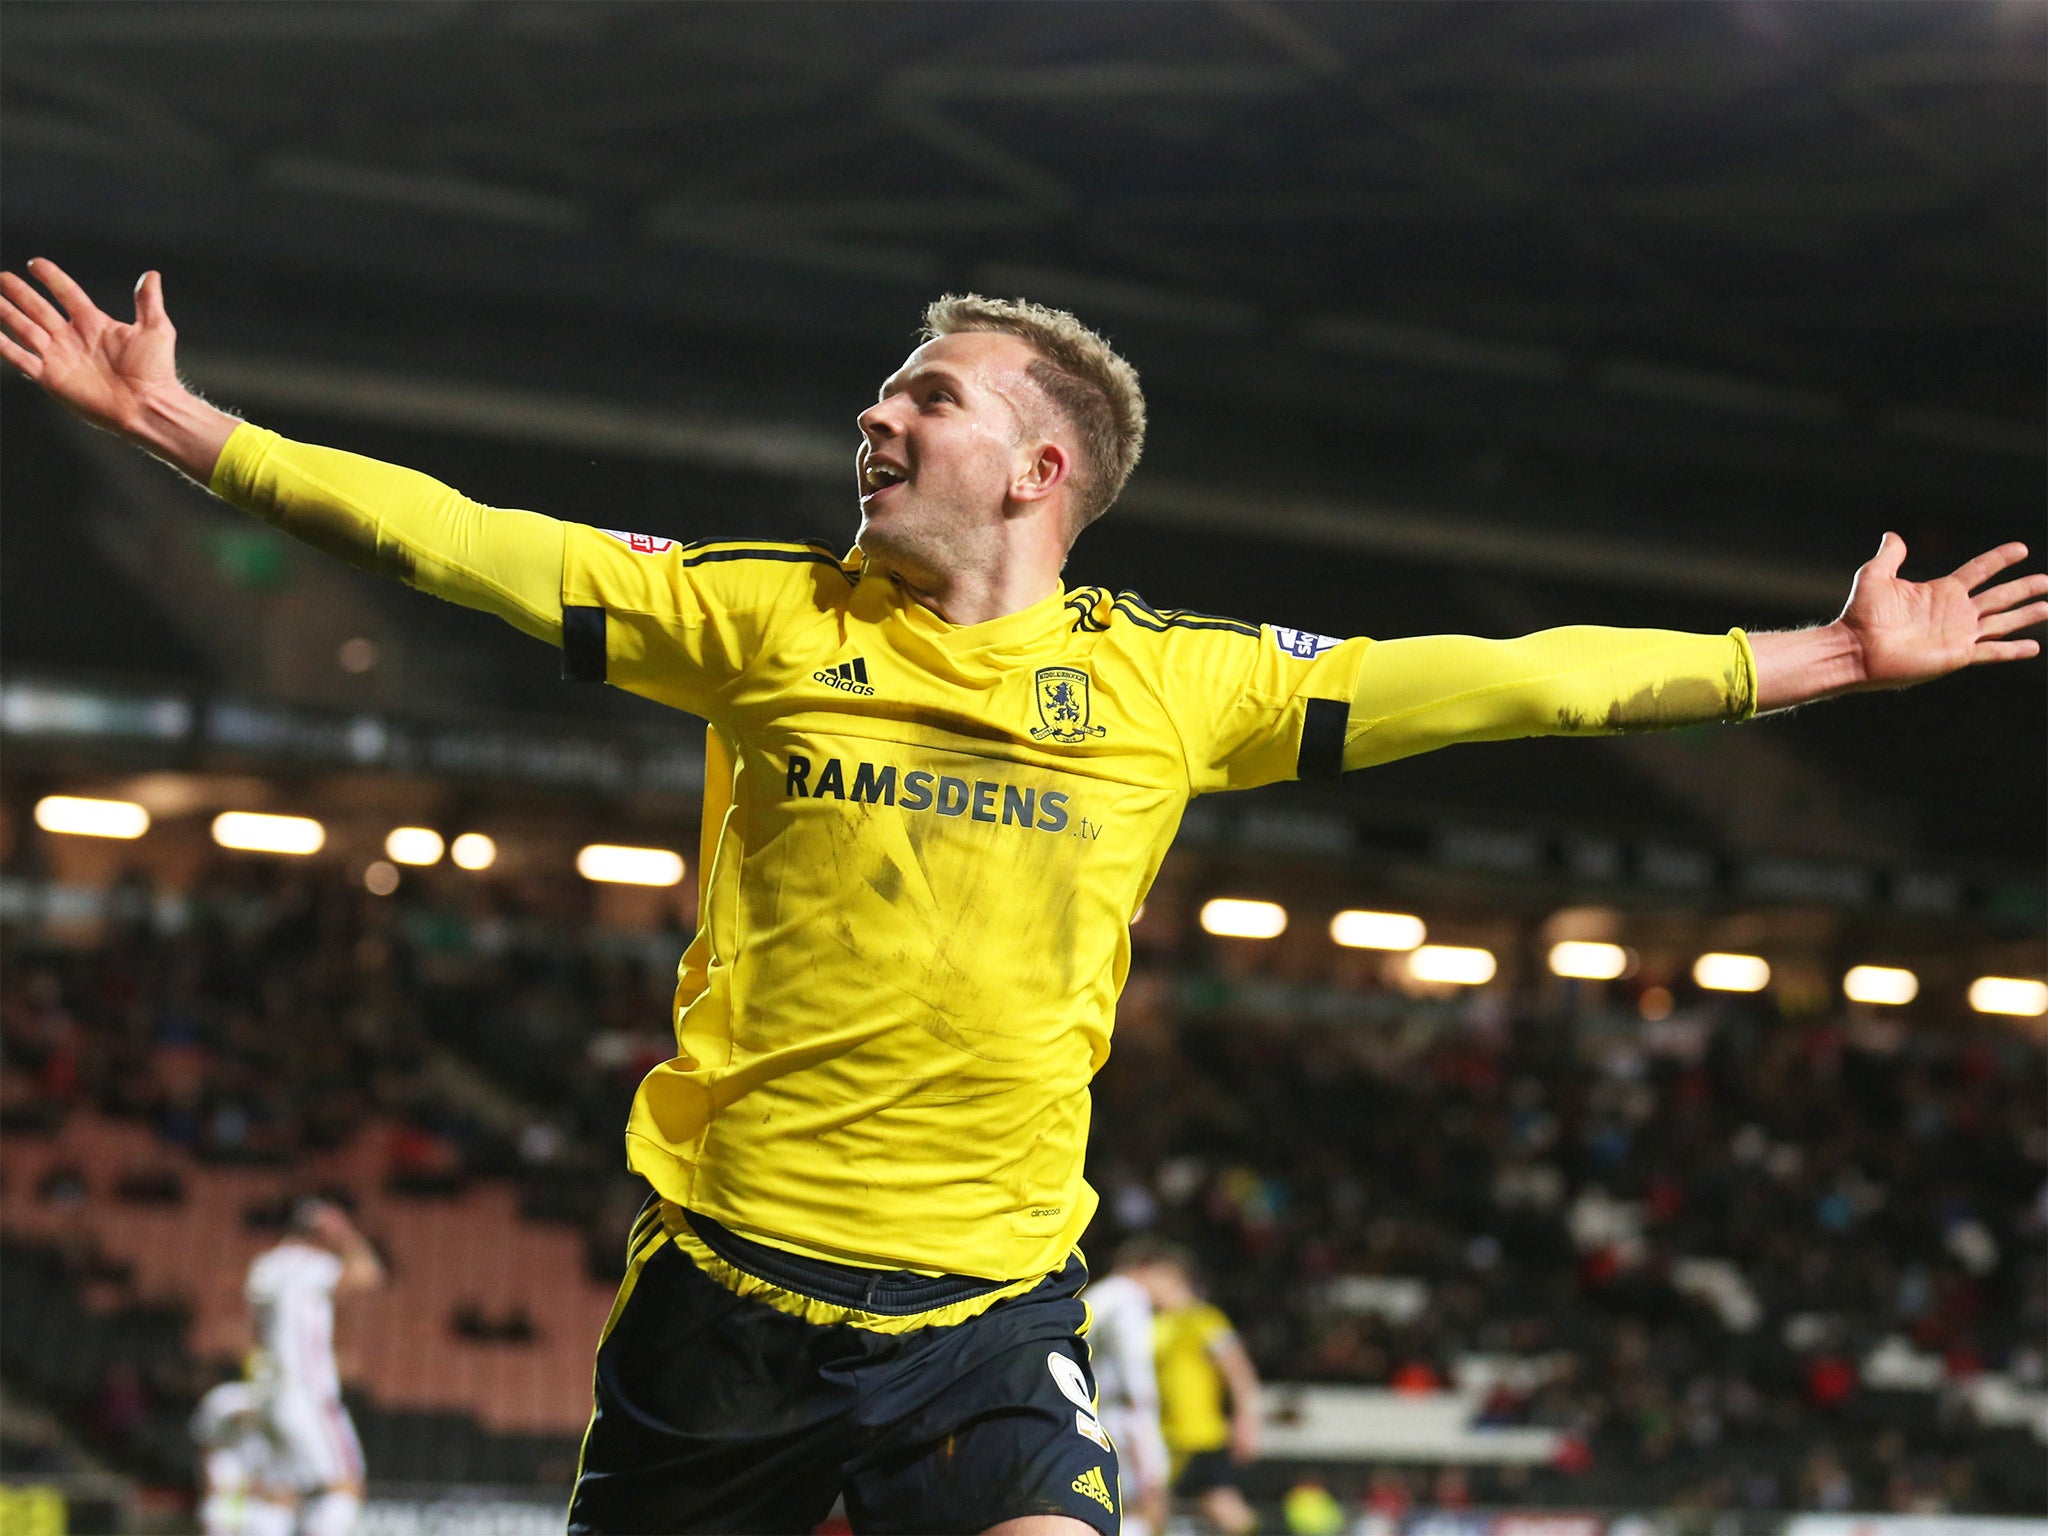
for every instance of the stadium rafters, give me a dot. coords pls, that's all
(1537, 252)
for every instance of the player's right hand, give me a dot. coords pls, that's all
(1246, 1433)
(100, 368)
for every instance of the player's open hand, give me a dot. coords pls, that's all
(102, 369)
(1911, 631)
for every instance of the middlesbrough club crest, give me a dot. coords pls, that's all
(1063, 706)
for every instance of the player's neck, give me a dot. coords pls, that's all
(964, 602)
(979, 592)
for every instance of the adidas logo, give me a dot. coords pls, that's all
(847, 677)
(1091, 1483)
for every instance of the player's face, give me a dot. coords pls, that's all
(941, 449)
(1165, 1285)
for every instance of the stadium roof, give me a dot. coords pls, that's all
(1618, 310)
(1651, 261)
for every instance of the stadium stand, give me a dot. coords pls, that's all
(1700, 1242)
(45, 489)
(1693, 1253)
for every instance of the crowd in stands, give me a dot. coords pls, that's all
(1738, 1261)
(1702, 1241)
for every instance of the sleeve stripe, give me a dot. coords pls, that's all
(796, 553)
(736, 541)
(583, 644)
(1322, 739)
(814, 546)
(1134, 608)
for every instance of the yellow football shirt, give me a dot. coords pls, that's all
(919, 892)
(922, 842)
(1191, 1394)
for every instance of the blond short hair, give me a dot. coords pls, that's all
(1081, 375)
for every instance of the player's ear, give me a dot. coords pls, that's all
(1045, 472)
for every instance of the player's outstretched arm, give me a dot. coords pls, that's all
(1894, 633)
(1419, 694)
(122, 377)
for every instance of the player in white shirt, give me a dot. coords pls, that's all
(1127, 1392)
(236, 1460)
(291, 1293)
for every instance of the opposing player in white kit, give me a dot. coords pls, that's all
(1127, 1391)
(237, 1464)
(291, 1293)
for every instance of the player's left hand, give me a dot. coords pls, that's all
(1910, 631)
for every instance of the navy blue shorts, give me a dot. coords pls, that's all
(717, 1411)
(1209, 1469)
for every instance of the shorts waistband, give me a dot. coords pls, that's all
(884, 1292)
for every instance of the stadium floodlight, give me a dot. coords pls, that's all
(77, 816)
(414, 845)
(1880, 984)
(2020, 996)
(473, 850)
(256, 832)
(1588, 960)
(614, 865)
(1232, 917)
(1456, 964)
(1356, 929)
(1732, 973)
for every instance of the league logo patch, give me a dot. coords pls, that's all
(1299, 642)
(1063, 706)
(642, 543)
